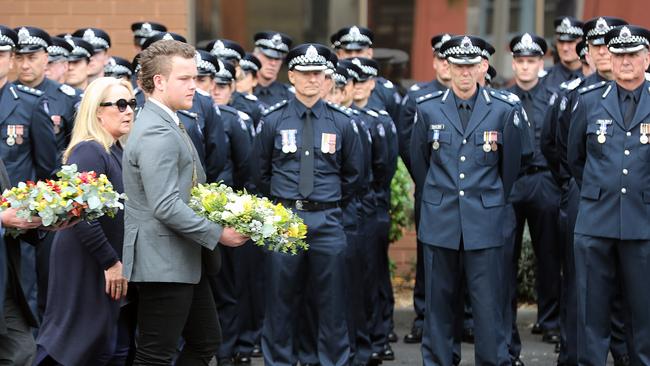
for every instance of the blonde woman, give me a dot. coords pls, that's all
(86, 319)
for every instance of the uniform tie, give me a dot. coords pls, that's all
(628, 110)
(306, 183)
(464, 113)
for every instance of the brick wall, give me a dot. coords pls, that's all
(113, 16)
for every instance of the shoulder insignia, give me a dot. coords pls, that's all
(388, 84)
(28, 90)
(188, 113)
(354, 111)
(505, 96)
(591, 87)
(563, 103)
(217, 109)
(515, 120)
(339, 108)
(250, 97)
(382, 112)
(203, 92)
(292, 89)
(258, 129)
(552, 99)
(414, 87)
(275, 107)
(429, 96)
(243, 115)
(370, 112)
(486, 96)
(67, 90)
(571, 85)
(647, 76)
(381, 130)
(609, 88)
(354, 127)
(242, 124)
(542, 73)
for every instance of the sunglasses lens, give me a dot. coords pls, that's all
(121, 105)
(133, 104)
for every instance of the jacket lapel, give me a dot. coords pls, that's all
(610, 103)
(642, 109)
(450, 111)
(481, 110)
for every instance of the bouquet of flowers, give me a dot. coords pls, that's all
(74, 196)
(267, 224)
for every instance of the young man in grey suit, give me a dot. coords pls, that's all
(167, 247)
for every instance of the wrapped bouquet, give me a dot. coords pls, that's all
(267, 224)
(74, 196)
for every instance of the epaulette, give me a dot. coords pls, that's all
(68, 90)
(501, 95)
(229, 109)
(339, 108)
(188, 113)
(591, 87)
(372, 113)
(415, 87)
(28, 90)
(353, 111)
(428, 96)
(571, 85)
(275, 107)
(243, 115)
(250, 97)
(382, 112)
(203, 92)
(388, 84)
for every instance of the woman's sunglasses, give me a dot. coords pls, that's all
(121, 104)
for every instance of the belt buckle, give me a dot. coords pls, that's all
(299, 205)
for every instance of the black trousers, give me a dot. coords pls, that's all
(169, 311)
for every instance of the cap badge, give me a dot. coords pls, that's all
(276, 39)
(466, 43)
(167, 37)
(566, 22)
(89, 35)
(111, 62)
(23, 35)
(354, 32)
(527, 40)
(625, 33)
(601, 25)
(311, 52)
(218, 46)
(356, 61)
(146, 28)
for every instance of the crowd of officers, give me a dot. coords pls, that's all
(564, 151)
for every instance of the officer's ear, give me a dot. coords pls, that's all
(369, 52)
(371, 83)
(646, 59)
(292, 77)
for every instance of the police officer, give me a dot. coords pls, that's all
(101, 42)
(607, 154)
(271, 48)
(78, 61)
(404, 128)
(57, 55)
(143, 30)
(119, 68)
(308, 157)
(568, 32)
(466, 152)
(594, 30)
(243, 98)
(356, 41)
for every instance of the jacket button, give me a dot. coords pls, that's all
(626, 152)
(462, 176)
(462, 158)
(623, 190)
(461, 193)
(625, 171)
(628, 133)
(464, 141)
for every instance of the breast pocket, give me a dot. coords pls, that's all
(489, 157)
(440, 147)
(595, 148)
(327, 150)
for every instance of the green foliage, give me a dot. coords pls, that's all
(392, 267)
(526, 271)
(401, 202)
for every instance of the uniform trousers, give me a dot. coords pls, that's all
(289, 278)
(603, 267)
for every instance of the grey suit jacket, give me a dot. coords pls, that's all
(163, 237)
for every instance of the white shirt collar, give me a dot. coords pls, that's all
(173, 115)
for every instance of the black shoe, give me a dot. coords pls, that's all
(256, 352)
(387, 354)
(375, 359)
(537, 329)
(622, 360)
(241, 359)
(225, 362)
(551, 336)
(517, 362)
(392, 337)
(468, 336)
(415, 336)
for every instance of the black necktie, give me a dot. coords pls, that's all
(465, 113)
(306, 183)
(628, 110)
(527, 101)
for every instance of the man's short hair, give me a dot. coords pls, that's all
(156, 60)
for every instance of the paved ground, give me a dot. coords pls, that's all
(534, 353)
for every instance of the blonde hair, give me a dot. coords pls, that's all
(86, 123)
